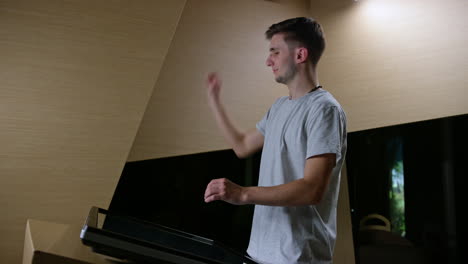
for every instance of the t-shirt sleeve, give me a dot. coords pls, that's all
(261, 125)
(324, 132)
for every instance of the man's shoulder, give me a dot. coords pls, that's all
(324, 99)
(279, 101)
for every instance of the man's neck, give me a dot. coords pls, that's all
(302, 84)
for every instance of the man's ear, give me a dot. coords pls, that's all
(301, 54)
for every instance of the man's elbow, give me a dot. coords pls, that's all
(241, 153)
(241, 150)
(315, 198)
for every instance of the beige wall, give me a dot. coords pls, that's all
(75, 77)
(395, 61)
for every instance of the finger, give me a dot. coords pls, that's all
(209, 191)
(214, 197)
(211, 77)
(218, 181)
(212, 187)
(209, 199)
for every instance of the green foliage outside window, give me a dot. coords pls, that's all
(397, 199)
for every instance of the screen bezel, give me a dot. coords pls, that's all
(92, 226)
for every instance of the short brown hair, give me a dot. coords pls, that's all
(306, 31)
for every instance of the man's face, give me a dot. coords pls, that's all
(281, 60)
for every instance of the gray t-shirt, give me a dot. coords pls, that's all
(294, 131)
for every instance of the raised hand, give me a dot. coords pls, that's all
(213, 84)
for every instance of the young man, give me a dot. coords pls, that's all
(303, 136)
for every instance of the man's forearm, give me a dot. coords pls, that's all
(305, 191)
(295, 193)
(232, 135)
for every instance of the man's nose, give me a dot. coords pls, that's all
(269, 63)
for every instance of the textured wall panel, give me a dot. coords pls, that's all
(75, 78)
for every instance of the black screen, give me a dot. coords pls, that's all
(170, 191)
(433, 154)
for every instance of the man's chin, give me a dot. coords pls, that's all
(280, 80)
